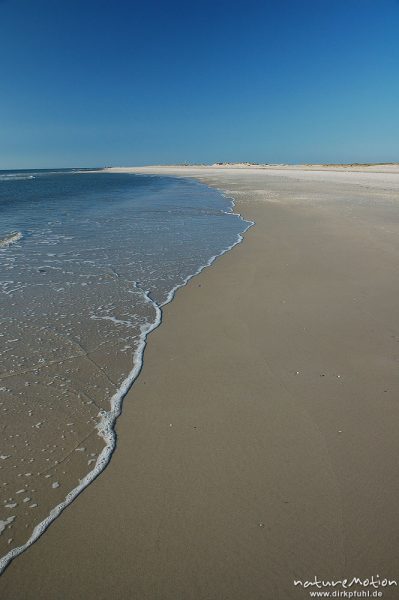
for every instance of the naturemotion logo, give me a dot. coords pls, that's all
(348, 587)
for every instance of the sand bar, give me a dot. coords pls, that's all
(260, 442)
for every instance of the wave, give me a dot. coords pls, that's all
(16, 177)
(107, 422)
(11, 238)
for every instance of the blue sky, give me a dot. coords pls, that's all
(90, 83)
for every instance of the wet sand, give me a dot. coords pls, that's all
(260, 442)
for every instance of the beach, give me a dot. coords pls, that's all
(259, 444)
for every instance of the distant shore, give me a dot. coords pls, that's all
(357, 167)
(259, 444)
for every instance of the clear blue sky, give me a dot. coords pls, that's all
(85, 83)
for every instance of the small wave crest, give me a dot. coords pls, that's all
(9, 239)
(16, 177)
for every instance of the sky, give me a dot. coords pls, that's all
(93, 83)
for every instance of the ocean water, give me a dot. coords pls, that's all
(87, 260)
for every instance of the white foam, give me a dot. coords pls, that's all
(11, 238)
(12, 177)
(106, 425)
(3, 524)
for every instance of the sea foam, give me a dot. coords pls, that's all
(11, 238)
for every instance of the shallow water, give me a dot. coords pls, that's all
(86, 262)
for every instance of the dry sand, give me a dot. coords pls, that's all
(260, 443)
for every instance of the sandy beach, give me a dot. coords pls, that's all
(259, 444)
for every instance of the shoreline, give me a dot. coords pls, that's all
(233, 471)
(108, 420)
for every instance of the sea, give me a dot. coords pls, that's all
(88, 259)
